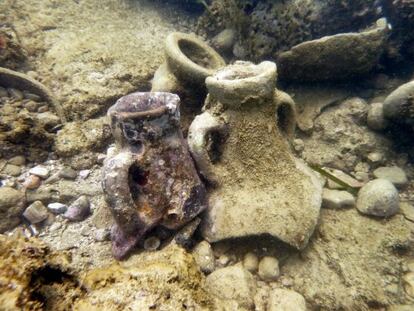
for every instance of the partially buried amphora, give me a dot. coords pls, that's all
(241, 145)
(149, 179)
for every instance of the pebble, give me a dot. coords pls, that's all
(32, 182)
(85, 231)
(223, 260)
(337, 199)
(36, 212)
(152, 243)
(233, 283)
(31, 106)
(12, 170)
(55, 226)
(378, 197)
(375, 157)
(298, 145)
(40, 171)
(251, 262)
(17, 160)
(52, 179)
(407, 210)
(268, 269)
(15, 93)
(9, 109)
(78, 210)
(393, 173)
(102, 235)
(285, 300)
(204, 256)
(57, 208)
(68, 173)
(375, 117)
(84, 173)
(43, 109)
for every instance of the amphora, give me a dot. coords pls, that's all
(241, 146)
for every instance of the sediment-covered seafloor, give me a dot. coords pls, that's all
(279, 178)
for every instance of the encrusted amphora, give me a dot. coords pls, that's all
(241, 146)
(150, 178)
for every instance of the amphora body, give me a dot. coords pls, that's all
(241, 146)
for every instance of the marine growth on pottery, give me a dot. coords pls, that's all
(150, 178)
(241, 146)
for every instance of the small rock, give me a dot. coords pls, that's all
(375, 157)
(32, 182)
(46, 194)
(17, 160)
(349, 180)
(12, 203)
(393, 173)
(43, 109)
(52, 179)
(223, 260)
(55, 226)
(298, 145)
(337, 199)
(68, 173)
(47, 119)
(15, 93)
(102, 235)
(251, 262)
(204, 256)
(407, 210)
(269, 268)
(408, 281)
(57, 208)
(375, 117)
(78, 210)
(36, 212)
(362, 177)
(84, 173)
(234, 283)
(378, 197)
(31, 106)
(40, 171)
(152, 243)
(225, 40)
(12, 170)
(285, 300)
(101, 158)
(85, 231)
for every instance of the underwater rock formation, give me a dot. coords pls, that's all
(266, 28)
(241, 145)
(189, 61)
(150, 178)
(401, 16)
(338, 57)
(34, 278)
